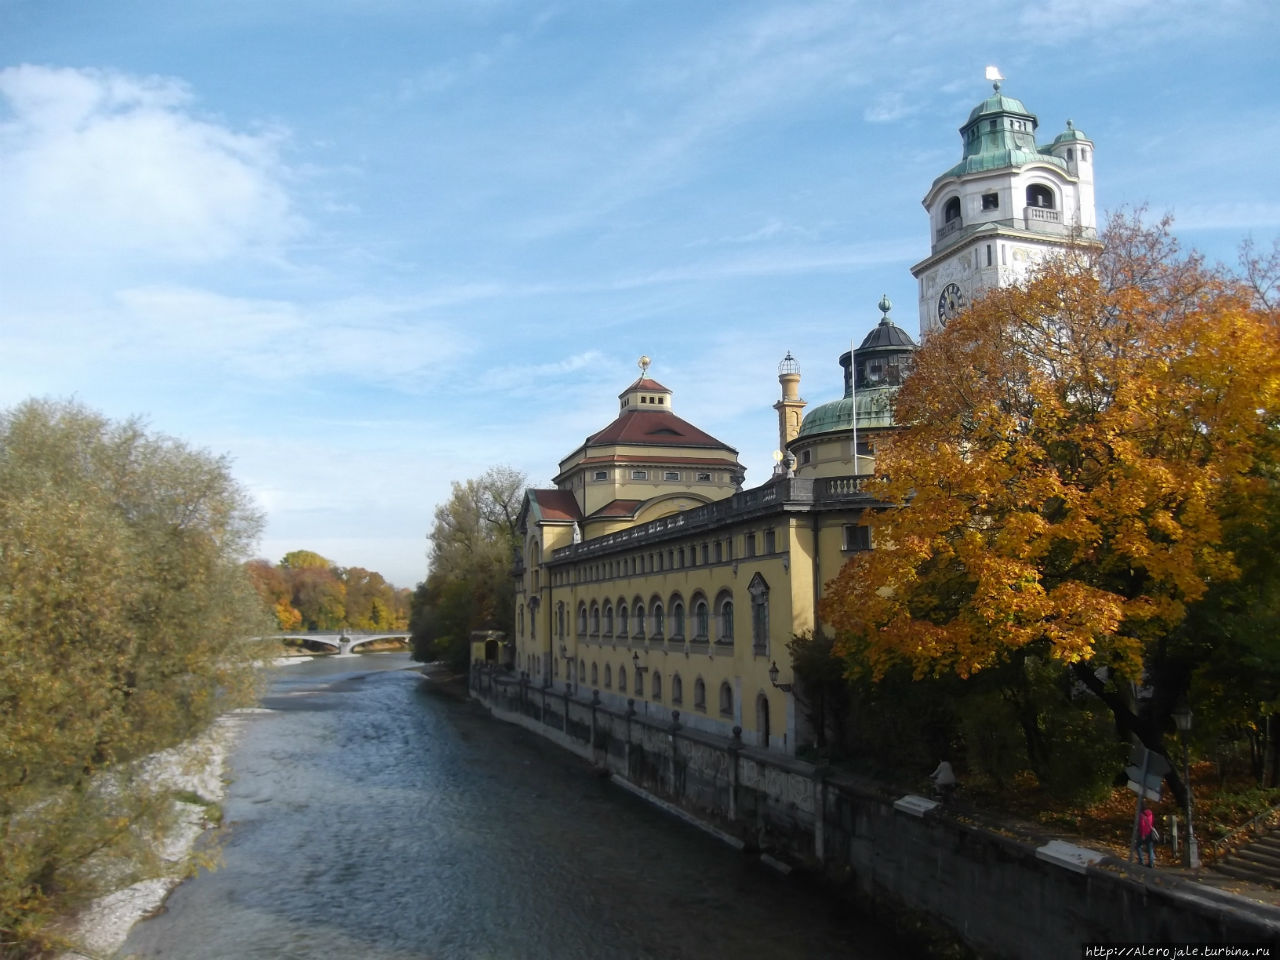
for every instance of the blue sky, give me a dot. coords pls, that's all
(367, 247)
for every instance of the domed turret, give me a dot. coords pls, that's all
(1006, 206)
(824, 441)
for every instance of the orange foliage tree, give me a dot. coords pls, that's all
(1069, 450)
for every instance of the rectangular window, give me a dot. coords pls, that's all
(770, 544)
(639, 474)
(749, 545)
(671, 475)
(988, 254)
(704, 478)
(856, 537)
(602, 475)
(991, 201)
(719, 552)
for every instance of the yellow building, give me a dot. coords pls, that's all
(649, 576)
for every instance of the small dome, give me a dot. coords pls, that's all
(888, 334)
(1070, 135)
(875, 411)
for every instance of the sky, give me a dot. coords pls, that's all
(366, 248)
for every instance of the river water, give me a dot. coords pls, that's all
(371, 820)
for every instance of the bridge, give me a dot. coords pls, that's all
(344, 642)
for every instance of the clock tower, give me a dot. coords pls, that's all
(1003, 208)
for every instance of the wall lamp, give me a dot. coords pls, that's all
(773, 678)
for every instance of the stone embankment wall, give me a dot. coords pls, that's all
(1004, 893)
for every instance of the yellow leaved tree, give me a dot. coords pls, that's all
(1070, 449)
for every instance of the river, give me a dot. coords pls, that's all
(369, 819)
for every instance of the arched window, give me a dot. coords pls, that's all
(622, 619)
(762, 720)
(595, 620)
(677, 689)
(656, 691)
(608, 677)
(701, 620)
(726, 700)
(608, 619)
(1038, 195)
(560, 620)
(582, 670)
(595, 674)
(659, 622)
(677, 619)
(637, 616)
(951, 211)
(759, 591)
(622, 679)
(699, 695)
(639, 683)
(724, 617)
(520, 621)
(582, 619)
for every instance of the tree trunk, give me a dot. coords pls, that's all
(1148, 733)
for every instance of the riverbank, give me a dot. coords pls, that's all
(1002, 889)
(194, 773)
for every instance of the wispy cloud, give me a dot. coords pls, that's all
(97, 162)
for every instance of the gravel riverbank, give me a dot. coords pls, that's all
(197, 767)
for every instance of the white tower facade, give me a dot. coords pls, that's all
(1003, 208)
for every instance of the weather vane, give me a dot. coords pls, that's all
(993, 74)
(643, 364)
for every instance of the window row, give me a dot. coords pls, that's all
(667, 475)
(1037, 195)
(655, 620)
(656, 692)
(672, 619)
(754, 544)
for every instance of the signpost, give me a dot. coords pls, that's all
(1146, 772)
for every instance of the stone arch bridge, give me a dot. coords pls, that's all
(345, 641)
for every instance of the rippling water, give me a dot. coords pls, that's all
(369, 819)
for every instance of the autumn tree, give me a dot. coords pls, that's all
(469, 585)
(1070, 450)
(275, 589)
(124, 613)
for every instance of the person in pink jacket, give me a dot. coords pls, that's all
(1147, 836)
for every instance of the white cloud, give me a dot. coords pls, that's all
(362, 339)
(95, 162)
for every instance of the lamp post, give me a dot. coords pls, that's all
(1182, 719)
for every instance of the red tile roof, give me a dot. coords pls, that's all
(664, 460)
(557, 504)
(618, 508)
(644, 383)
(657, 427)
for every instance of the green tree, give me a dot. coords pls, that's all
(124, 608)
(468, 585)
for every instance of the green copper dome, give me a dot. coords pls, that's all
(879, 365)
(999, 103)
(1070, 135)
(1000, 133)
(875, 411)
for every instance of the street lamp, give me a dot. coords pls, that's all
(1182, 719)
(773, 678)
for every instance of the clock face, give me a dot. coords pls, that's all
(950, 302)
